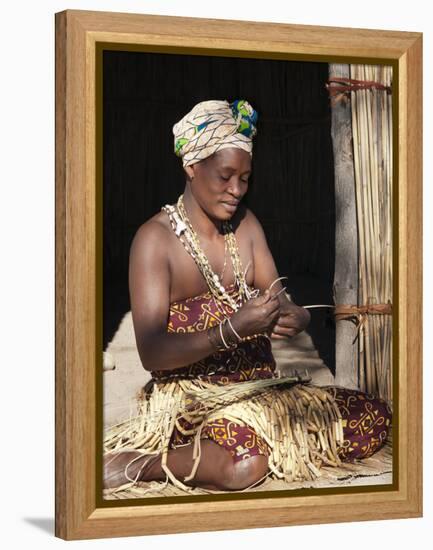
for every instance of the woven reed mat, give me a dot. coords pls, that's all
(376, 470)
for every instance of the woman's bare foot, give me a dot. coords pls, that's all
(115, 464)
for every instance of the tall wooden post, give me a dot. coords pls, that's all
(346, 234)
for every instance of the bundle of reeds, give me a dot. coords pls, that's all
(372, 148)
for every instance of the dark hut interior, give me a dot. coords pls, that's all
(291, 189)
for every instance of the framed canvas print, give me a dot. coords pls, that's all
(238, 274)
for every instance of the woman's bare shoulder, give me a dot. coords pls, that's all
(250, 230)
(155, 230)
(246, 220)
(251, 218)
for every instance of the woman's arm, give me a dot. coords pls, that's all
(293, 319)
(149, 290)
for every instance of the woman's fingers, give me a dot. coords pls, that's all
(272, 309)
(287, 323)
(284, 331)
(278, 336)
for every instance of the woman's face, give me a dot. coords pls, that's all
(220, 181)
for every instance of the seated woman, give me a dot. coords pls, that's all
(206, 298)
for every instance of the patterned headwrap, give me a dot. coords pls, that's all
(213, 125)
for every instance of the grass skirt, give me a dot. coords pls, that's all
(300, 423)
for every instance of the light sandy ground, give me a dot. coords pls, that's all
(124, 377)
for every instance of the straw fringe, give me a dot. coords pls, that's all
(300, 423)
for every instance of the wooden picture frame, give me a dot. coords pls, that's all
(80, 35)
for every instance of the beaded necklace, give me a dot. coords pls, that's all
(189, 238)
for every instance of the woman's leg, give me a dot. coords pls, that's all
(367, 422)
(216, 470)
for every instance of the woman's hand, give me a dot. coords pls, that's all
(257, 315)
(292, 320)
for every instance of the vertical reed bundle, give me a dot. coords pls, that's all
(372, 148)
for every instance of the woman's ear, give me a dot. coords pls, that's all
(189, 172)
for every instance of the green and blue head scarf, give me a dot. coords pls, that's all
(213, 125)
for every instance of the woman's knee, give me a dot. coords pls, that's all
(243, 473)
